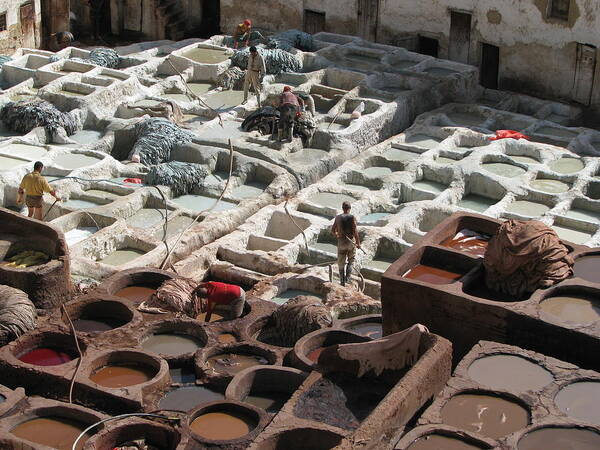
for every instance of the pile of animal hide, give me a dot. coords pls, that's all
(17, 314)
(25, 115)
(174, 296)
(181, 177)
(104, 57)
(286, 40)
(156, 138)
(232, 78)
(276, 60)
(298, 317)
(524, 256)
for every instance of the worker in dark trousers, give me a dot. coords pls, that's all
(96, 13)
(345, 230)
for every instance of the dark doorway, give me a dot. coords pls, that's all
(584, 73)
(27, 16)
(368, 16)
(429, 46)
(211, 18)
(314, 22)
(460, 37)
(490, 65)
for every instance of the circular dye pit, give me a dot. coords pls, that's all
(54, 432)
(189, 397)
(314, 355)
(440, 442)
(509, 372)
(121, 375)
(232, 363)
(47, 356)
(560, 438)
(371, 330)
(580, 401)
(550, 186)
(576, 309)
(503, 169)
(222, 426)
(136, 294)
(487, 415)
(588, 268)
(566, 165)
(171, 344)
(226, 338)
(95, 326)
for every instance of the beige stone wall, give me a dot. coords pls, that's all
(12, 38)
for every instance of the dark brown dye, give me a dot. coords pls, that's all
(188, 397)
(271, 402)
(222, 426)
(560, 438)
(54, 432)
(121, 375)
(470, 242)
(439, 442)
(95, 326)
(432, 275)
(372, 330)
(581, 401)
(232, 363)
(136, 294)
(343, 401)
(588, 268)
(488, 415)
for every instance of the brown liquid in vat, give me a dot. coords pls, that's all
(439, 442)
(136, 294)
(232, 363)
(54, 432)
(314, 355)
(214, 317)
(576, 309)
(219, 426)
(432, 275)
(467, 243)
(560, 439)
(226, 338)
(509, 372)
(588, 268)
(490, 416)
(116, 376)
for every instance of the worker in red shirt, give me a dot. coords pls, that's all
(223, 295)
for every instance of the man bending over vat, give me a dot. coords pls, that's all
(215, 294)
(34, 185)
(345, 230)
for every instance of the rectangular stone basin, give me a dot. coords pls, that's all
(122, 256)
(31, 152)
(75, 160)
(207, 55)
(175, 227)
(146, 217)
(198, 203)
(7, 163)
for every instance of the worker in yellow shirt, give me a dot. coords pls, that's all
(34, 185)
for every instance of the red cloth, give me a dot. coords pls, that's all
(220, 294)
(289, 98)
(509, 134)
(133, 180)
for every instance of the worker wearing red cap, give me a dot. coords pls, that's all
(242, 33)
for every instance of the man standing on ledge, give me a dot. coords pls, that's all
(256, 69)
(222, 294)
(345, 230)
(34, 185)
